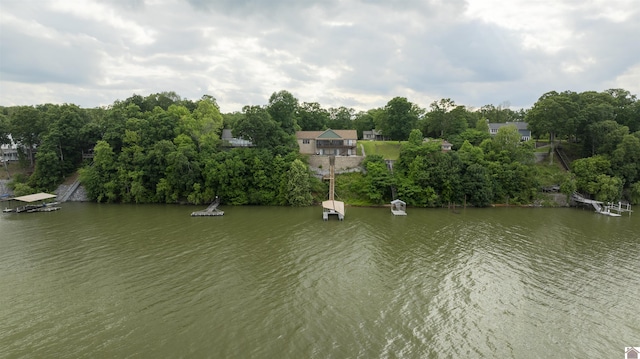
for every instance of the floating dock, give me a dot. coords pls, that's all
(616, 209)
(211, 211)
(332, 208)
(609, 209)
(398, 207)
(34, 203)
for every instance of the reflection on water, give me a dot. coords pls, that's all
(151, 281)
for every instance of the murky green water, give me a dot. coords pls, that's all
(98, 281)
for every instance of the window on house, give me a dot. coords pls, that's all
(306, 141)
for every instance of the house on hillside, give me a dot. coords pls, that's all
(229, 141)
(525, 133)
(373, 135)
(9, 152)
(445, 145)
(328, 142)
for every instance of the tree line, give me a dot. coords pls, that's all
(496, 170)
(165, 149)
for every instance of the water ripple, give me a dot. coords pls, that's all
(149, 281)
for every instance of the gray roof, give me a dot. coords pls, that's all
(226, 134)
(519, 125)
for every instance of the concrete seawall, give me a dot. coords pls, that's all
(343, 164)
(79, 195)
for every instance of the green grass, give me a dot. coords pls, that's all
(550, 174)
(543, 149)
(389, 150)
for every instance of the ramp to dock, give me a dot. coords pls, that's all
(597, 205)
(212, 210)
(331, 206)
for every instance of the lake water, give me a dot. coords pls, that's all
(149, 281)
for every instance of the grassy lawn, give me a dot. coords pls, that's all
(550, 174)
(389, 150)
(542, 149)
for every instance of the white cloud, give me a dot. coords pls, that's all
(101, 13)
(358, 53)
(629, 80)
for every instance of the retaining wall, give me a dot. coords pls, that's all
(343, 163)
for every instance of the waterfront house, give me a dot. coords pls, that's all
(522, 127)
(373, 135)
(9, 152)
(229, 141)
(328, 142)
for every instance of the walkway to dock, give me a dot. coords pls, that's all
(212, 210)
(597, 205)
(331, 206)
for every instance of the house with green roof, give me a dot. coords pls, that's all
(328, 142)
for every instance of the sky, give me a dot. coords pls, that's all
(353, 53)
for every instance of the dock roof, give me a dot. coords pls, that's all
(337, 206)
(35, 197)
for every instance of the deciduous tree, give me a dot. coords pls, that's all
(298, 185)
(398, 119)
(283, 107)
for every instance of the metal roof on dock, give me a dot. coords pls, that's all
(337, 206)
(35, 197)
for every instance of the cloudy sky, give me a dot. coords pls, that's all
(354, 53)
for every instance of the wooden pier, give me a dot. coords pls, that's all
(608, 209)
(332, 207)
(211, 211)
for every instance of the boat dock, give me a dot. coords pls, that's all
(34, 203)
(616, 209)
(210, 211)
(331, 207)
(609, 209)
(398, 207)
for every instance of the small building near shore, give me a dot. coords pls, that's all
(398, 207)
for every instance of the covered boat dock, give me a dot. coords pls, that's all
(34, 203)
(332, 207)
(398, 207)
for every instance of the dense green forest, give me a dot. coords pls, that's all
(165, 149)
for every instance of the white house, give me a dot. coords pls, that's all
(9, 152)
